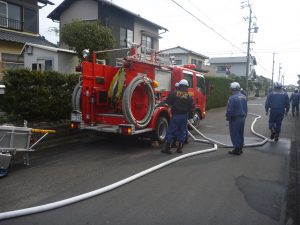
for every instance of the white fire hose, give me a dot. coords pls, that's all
(65, 202)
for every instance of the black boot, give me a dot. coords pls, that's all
(236, 151)
(167, 149)
(276, 136)
(179, 148)
(272, 134)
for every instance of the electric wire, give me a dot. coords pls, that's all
(211, 28)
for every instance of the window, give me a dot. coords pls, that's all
(43, 65)
(30, 20)
(126, 37)
(14, 17)
(48, 65)
(10, 16)
(178, 62)
(3, 14)
(12, 61)
(197, 62)
(221, 69)
(189, 78)
(147, 44)
(201, 84)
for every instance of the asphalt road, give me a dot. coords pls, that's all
(212, 188)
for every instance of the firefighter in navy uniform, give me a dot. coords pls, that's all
(278, 104)
(182, 107)
(295, 99)
(236, 113)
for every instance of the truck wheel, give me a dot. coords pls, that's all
(161, 128)
(196, 119)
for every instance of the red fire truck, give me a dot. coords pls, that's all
(124, 99)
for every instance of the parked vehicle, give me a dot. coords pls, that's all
(125, 98)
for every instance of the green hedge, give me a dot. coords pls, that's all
(38, 96)
(218, 92)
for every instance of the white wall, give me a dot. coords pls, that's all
(39, 54)
(67, 62)
(61, 62)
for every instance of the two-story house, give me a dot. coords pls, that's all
(126, 27)
(19, 24)
(184, 56)
(225, 66)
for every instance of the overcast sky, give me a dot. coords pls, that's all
(217, 28)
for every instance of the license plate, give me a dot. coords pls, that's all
(76, 117)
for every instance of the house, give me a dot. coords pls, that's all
(126, 27)
(46, 58)
(19, 24)
(225, 66)
(184, 56)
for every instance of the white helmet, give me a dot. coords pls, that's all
(277, 85)
(235, 86)
(184, 82)
(177, 84)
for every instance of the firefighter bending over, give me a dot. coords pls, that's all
(182, 106)
(236, 113)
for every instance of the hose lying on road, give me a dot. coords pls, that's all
(65, 202)
(265, 139)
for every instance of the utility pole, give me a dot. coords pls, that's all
(279, 72)
(273, 70)
(245, 4)
(248, 49)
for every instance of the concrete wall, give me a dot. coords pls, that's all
(67, 62)
(80, 10)
(61, 62)
(8, 47)
(139, 26)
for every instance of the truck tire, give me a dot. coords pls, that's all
(196, 119)
(76, 97)
(161, 128)
(138, 83)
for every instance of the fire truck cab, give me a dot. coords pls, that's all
(125, 99)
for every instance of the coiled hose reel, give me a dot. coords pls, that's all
(126, 101)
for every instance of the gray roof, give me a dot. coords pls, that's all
(11, 36)
(181, 50)
(55, 14)
(241, 59)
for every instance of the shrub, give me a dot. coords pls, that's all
(37, 96)
(218, 92)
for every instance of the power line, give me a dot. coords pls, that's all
(211, 28)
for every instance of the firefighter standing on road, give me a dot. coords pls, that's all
(182, 106)
(294, 99)
(236, 114)
(278, 104)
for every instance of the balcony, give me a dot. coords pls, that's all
(11, 24)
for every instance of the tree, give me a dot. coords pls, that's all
(87, 35)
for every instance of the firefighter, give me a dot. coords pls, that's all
(278, 104)
(236, 115)
(174, 144)
(182, 106)
(294, 99)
